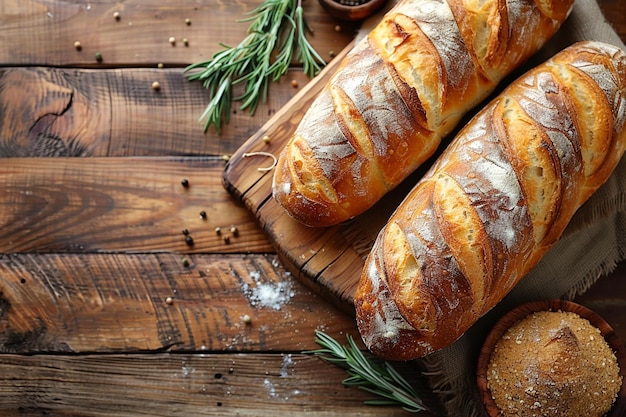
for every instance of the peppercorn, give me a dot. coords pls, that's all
(98, 57)
(156, 86)
(203, 214)
(185, 232)
(185, 262)
(185, 182)
(189, 240)
(78, 46)
(116, 15)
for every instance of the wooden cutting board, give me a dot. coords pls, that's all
(329, 260)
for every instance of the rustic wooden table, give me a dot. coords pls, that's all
(104, 308)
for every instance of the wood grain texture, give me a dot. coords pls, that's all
(180, 385)
(152, 302)
(40, 32)
(85, 205)
(80, 112)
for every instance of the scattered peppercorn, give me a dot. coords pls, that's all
(185, 262)
(189, 240)
(186, 41)
(185, 232)
(227, 239)
(116, 15)
(234, 230)
(294, 83)
(78, 46)
(185, 182)
(160, 65)
(266, 139)
(169, 300)
(203, 214)
(98, 57)
(218, 230)
(156, 86)
(337, 28)
(172, 40)
(246, 319)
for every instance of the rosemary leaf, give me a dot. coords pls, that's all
(275, 37)
(374, 376)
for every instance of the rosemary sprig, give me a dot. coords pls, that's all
(376, 377)
(277, 32)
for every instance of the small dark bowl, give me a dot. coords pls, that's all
(351, 13)
(518, 313)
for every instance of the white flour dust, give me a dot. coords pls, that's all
(268, 294)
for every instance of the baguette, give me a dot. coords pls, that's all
(397, 93)
(494, 202)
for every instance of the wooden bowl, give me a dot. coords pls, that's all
(513, 316)
(351, 13)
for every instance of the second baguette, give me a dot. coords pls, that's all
(497, 199)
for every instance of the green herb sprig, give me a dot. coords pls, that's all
(277, 33)
(374, 376)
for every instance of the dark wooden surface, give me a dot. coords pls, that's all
(98, 313)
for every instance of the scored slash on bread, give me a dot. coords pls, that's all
(494, 202)
(397, 93)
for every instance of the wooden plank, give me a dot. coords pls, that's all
(76, 205)
(77, 112)
(36, 32)
(152, 302)
(180, 385)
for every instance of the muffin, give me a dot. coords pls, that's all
(553, 363)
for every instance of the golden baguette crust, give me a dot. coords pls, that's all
(494, 203)
(397, 93)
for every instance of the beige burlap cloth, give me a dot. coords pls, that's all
(592, 245)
